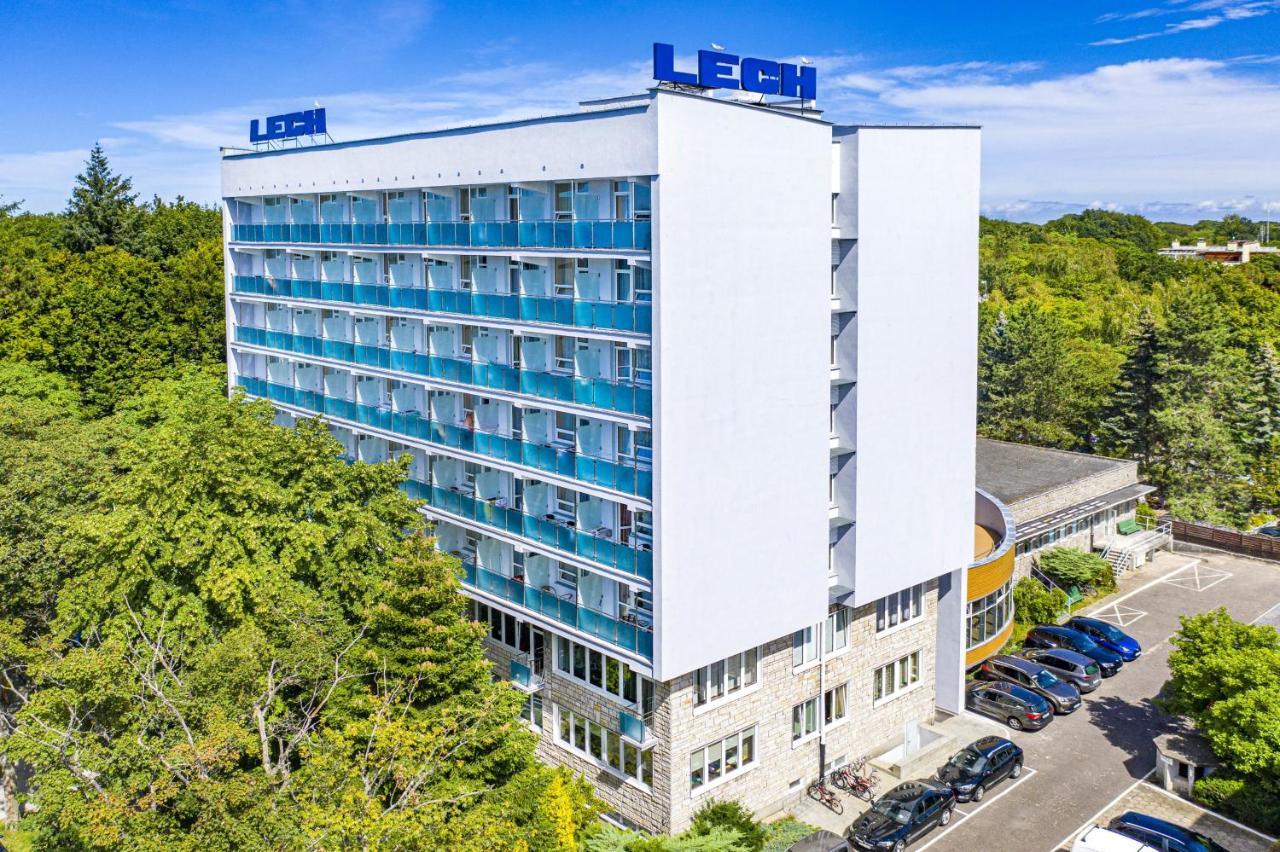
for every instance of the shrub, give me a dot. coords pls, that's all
(1068, 567)
(1034, 604)
(1144, 513)
(1253, 802)
(1217, 790)
(733, 816)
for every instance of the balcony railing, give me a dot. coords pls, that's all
(627, 477)
(579, 313)
(635, 726)
(599, 234)
(626, 556)
(621, 633)
(624, 397)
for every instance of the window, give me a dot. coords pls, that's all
(836, 634)
(603, 745)
(604, 673)
(727, 677)
(889, 680)
(504, 628)
(988, 615)
(722, 758)
(804, 719)
(804, 647)
(834, 704)
(532, 711)
(900, 608)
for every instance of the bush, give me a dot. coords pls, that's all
(1034, 604)
(1252, 802)
(1144, 514)
(733, 816)
(1068, 567)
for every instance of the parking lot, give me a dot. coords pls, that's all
(1086, 763)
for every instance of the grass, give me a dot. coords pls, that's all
(785, 832)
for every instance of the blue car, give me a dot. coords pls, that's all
(1108, 636)
(1053, 636)
(1159, 834)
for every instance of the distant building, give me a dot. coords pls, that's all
(1064, 499)
(1234, 252)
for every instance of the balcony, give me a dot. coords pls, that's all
(523, 677)
(622, 633)
(597, 234)
(628, 477)
(578, 313)
(636, 728)
(622, 397)
(556, 533)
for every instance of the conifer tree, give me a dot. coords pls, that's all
(1127, 422)
(1260, 408)
(101, 210)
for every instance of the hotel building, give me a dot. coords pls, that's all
(688, 388)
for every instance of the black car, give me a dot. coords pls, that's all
(1053, 636)
(1064, 697)
(903, 815)
(1068, 665)
(980, 765)
(1021, 709)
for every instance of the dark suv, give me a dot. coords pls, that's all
(903, 815)
(1064, 697)
(1053, 636)
(980, 765)
(1068, 665)
(1021, 709)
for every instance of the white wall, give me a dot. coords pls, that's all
(916, 223)
(742, 327)
(593, 144)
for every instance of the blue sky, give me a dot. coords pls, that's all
(1166, 107)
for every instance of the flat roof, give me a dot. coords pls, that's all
(1013, 472)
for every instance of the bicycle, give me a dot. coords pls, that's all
(846, 777)
(864, 786)
(819, 791)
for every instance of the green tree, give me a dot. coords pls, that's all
(1128, 424)
(172, 229)
(732, 816)
(1196, 464)
(1259, 411)
(1104, 225)
(101, 211)
(1033, 603)
(1068, 566)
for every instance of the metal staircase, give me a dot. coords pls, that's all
(1120, 551)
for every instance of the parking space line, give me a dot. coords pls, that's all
(1026, 773)
(1266, 614)
(1144, 587)
(1123, 615)
(1091, 821)
(1196, 582)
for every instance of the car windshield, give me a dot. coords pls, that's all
(1108, 631)
(894, 810)
(1045, 680)
(968, 760)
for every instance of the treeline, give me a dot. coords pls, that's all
(1091, 341)
(214, 632)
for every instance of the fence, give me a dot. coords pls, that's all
(1225, 538)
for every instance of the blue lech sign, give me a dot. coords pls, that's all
(306, 123)
(716, 71)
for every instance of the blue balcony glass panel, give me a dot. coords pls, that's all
(553, 533)
(407, 298)
(546, 309)
(498, 447)
(631, 726)
(500, 586)
(557, 460)
(469, 573)
(340, 350)
(452, 436)
(521, 674)
(549, 604)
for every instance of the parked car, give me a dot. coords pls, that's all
(903, 815)
(1108, 636)
(980, 765)
(820, 841)
(1071, 666)
(1162, 835)
(1274, 532)
(1053, 636)
(1064, 697)
(1099, 839)
(1021, 709)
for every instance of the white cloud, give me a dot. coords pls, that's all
(1222, 12)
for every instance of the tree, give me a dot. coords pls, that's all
(1127, 422)
(1068, 566)
(1196, 464)
(1104, 224)
(732, 816)
(1259, 411)
(101, 211)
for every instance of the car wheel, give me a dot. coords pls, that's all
(978, 793)
(1017, 770)
(945, 818)
(1015, 723)
(899, 846)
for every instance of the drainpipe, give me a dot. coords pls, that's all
(822, 693)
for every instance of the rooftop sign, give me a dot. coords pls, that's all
(716, 71)
(288, 126)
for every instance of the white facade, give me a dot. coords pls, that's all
(680, 378)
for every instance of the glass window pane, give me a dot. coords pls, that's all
(580, 733)
(696, 768)
(646, 766)
(612, 676)
(716, 680)
(877, 689)
(579, 662)
(796, 722)
(597, 669)
(700, 687)
(628, 684)
(596, 744)
(748, 746)
(613, 752)
(714, 757)
(811, 715)
(562, 653)
(733, 672)
(630, 756)
(730, 754)
(750, 663)
(564, 726)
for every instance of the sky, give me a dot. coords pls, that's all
(1169, 108)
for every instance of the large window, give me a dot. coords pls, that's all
(722, 758)
(897, 676)
(725, 678)
(835, 637)
(835, 704)
(900, 608)
(989, 615)
(804, 647)
(604, 673)
(532, 711)
(603, 745)
(804, 719)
